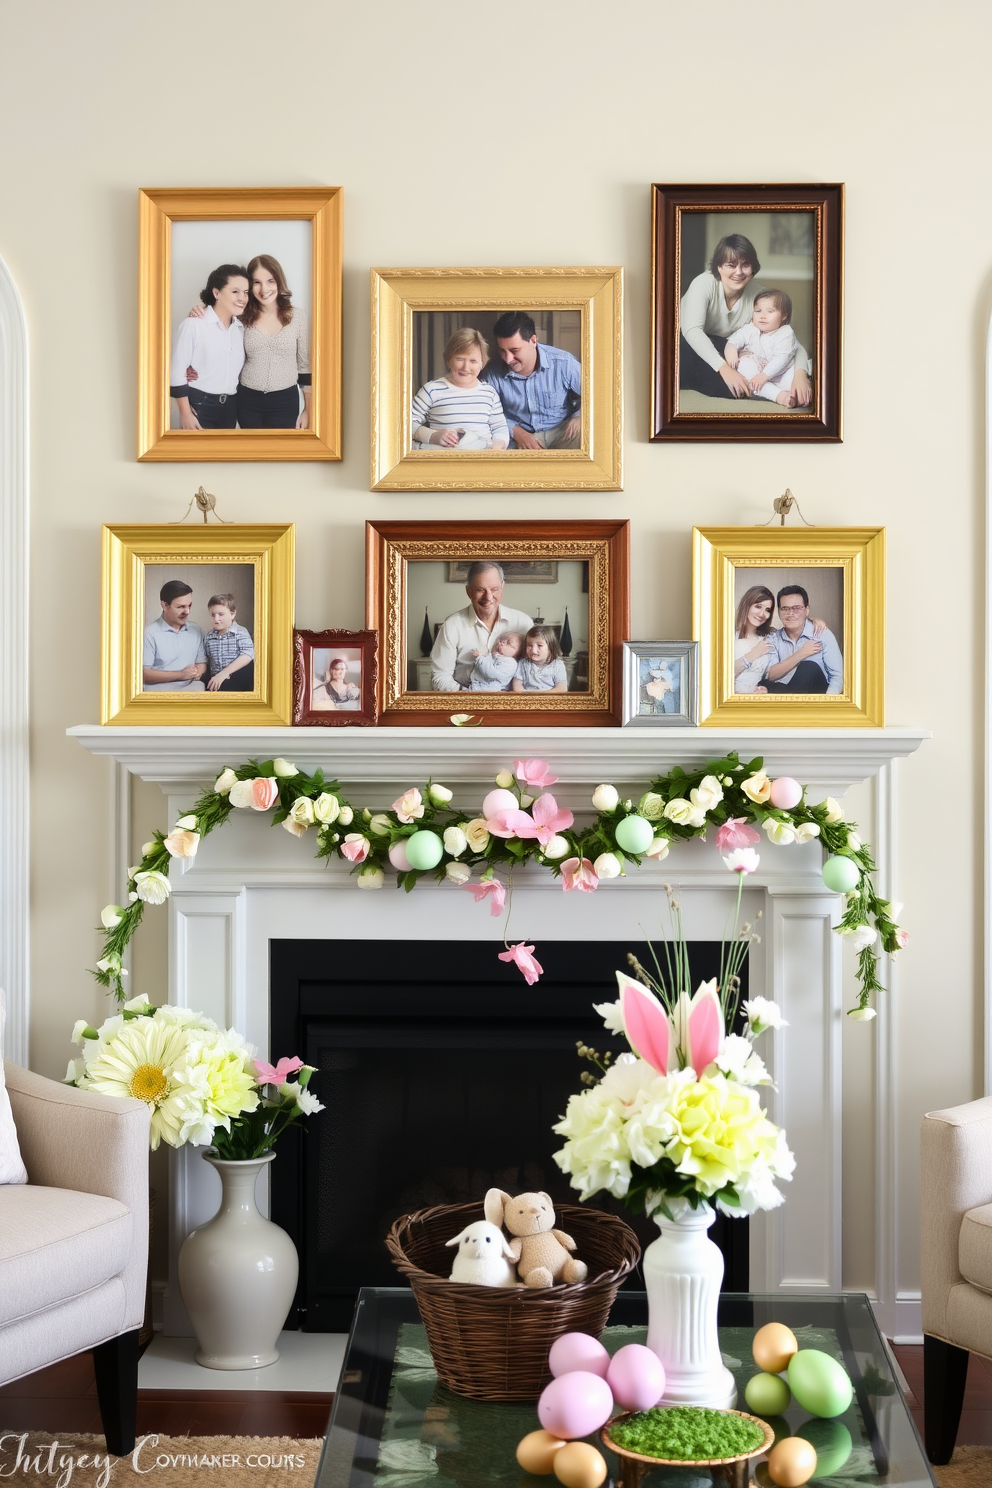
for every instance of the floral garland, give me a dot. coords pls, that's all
(521, 822)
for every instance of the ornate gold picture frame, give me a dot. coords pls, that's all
(198, 230)
(414, 314)
(791, 626)
(187, 607)
(437, 652)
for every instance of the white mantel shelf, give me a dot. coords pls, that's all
(174, 758)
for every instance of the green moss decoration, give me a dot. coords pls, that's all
(686, 1433)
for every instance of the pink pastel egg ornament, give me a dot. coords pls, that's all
(785, 793)
(581, 1351)
(575, 1405)
(636, 1377)
(398, 857)
(499, 800)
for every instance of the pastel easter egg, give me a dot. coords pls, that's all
(398, 857)
(574, 1351)
(767, 1394)
(575, 1404)
(785, 793)
(535, 1453)
(791, 1462)
(831, 1441)
(841, 874)
(636, 1377)
(424, 849)
(634, 834)
(819, 1383)
(579, 1465)
(773, 1346)
(499, 800)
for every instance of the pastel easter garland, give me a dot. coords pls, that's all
(521, 822)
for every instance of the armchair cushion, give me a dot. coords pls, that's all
(975, 1247)
(55, 1245)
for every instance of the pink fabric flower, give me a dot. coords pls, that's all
(902, 938)
(486, 887)
(735, 832)
(355, 847)
(264, 792)
(536, 772)
(578, 873)
(523, 957)
(544, 821)
(505, 823)
(410, 806)
(268, 1074)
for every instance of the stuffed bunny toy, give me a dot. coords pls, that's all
(483, 1256)
(540, 1251)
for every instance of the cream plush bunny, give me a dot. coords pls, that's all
(540, 1251)
(483, 1256)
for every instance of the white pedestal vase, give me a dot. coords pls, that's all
(683, 1270)
(238, 1274)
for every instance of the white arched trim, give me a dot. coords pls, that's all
(14, 781)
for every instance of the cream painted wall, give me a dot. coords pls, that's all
(543, 157)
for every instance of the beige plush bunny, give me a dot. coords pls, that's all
(540, 1251)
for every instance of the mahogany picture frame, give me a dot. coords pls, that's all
(359, 650)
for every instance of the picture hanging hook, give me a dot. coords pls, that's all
(781, 507)
(204, 503)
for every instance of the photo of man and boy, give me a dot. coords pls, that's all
(181, 654)
(789, 631)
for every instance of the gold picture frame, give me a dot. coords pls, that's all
(596, 553)
(593, 297)
(138, 561)
(159, 210)
(841, 572)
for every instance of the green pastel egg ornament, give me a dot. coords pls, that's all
(819, 1383)
(424, 850)
(767, 1394)
(831, 1441)
(634, 834)
(841, 874)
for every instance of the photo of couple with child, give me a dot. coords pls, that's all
(503, 389)
(180, 655)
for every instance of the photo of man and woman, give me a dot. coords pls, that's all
(496, 380)
(789, 631)
(198, 628)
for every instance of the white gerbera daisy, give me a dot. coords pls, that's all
(141, 1062)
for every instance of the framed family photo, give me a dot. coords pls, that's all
(497, 379)
(512, 622)
(239, 324)
(746, 325)
(197, 625)
(660, 684)
(334, 677)
(791, 625)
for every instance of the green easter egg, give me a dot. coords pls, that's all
(767, 1394)
(634, 834)
(831, 1441)
(424, 850)
(819, 1383)
(841, 874)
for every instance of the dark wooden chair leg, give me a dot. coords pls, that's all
(945, 1371)
(116, 1366)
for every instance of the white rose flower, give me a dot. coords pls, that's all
(152, 887)
(455, 841)
(148, 847)
(658, 848)
(240, 794)
(505, 779)
(283, 768)
(111, 962)
(457, 873)
(806, 831)
(708, 793)
(556, 848)
(295, 828)
(606, 798)
(327, 808)
(111, 916)
(224, 781)
(380, 824)
(757, 788)
(440, 795)
(607, 865)
(780, 832)
(859, 936)
(862, 1015)
(834, 812)
(477, 833)
(853, 842)
(371, 878)
(685, 813)
(302, 811)
(345, 816)
(651, 806)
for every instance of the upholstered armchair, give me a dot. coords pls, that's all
(956, 1262)
(74, 1240)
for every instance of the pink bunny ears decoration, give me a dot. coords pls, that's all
(692, 1037)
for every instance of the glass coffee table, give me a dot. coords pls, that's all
(394, 1426)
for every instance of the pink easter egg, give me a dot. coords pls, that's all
(574, 1351)
(636, 1377)
(785, 793)
(499, 800)
(575, 1405)
(398, 857)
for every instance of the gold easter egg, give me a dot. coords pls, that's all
(579, 1465)
(536, 1452)
(773, 1347)
(792, 1462)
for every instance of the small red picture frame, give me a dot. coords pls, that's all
(335, 678)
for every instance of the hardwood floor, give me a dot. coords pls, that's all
(975, 1429)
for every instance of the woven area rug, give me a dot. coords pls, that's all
(77, 1461)
(970, 1467)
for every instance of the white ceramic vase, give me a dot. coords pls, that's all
(683, 1270)
(238, 1274)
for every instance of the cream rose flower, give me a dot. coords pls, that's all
(606, 798)
(834, 812)
(379, 824)
(685, 813)
(345, 816)
(859, 936)
(326, 808)
(651, 806)
(284, 770)
(457, 873)
(780, 832)
(659, 848)
(111, 916)
(240, 793)
(607, 865)
(410, 806)
(440, 794)
(301, 816)
(708, 793)
(806, 831)
(477, 833)
(505, 779)
(371, 878)
(862, 1014)
(757, 788)
(556, 848)
(224, 781)
(152, 887)
(181, 843)
(455, 841)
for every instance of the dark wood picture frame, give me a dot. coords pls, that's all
(305, 642)
(820, 422)
(602, 545)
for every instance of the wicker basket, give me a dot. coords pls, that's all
(492, 1343)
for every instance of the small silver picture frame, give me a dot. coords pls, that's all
(660, 684)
